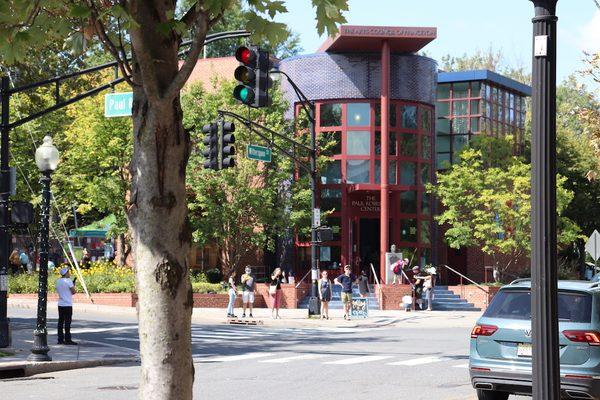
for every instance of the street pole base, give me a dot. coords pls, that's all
(5, 334)
(314, 306)
(40, 349)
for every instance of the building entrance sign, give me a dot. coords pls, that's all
(368, 204)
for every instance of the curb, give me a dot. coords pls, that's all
(23, 369)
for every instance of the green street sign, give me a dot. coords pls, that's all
(258, 153)
(118, 104)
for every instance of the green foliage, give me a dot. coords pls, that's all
(489, 206)
(213, 275)
(205, 287)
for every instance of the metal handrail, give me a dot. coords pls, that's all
(378, 286)
(462, 276)
(303, 278)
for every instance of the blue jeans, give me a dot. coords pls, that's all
(231, 301)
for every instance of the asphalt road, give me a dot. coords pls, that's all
(253, 362)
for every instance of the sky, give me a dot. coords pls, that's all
(467, 25)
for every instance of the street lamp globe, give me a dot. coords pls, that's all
(47, 156)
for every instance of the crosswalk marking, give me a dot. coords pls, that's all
(358, 360)
(240, 357)
(461, 366)
(292, 358)
(418, 361)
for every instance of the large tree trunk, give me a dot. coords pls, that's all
(161, 242)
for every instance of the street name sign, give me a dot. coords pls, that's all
(593, 245)
(118, 104)
(258, 153)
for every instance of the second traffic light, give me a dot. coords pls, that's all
(227, 148)
(211, 144)
(253, 75)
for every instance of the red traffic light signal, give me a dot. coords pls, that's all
(253, 75)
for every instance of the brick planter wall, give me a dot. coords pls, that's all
(391, 296)
(104, 299)
(291, 296)
(474, 295)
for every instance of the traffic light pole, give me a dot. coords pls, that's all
(544, 292)
(5, 337)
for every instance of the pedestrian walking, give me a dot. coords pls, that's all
(418, 283)
(346, 280)
(85, 259)
(275, 293)
(248, 284)
(397, 268)
(325, 294)
(24, 260)
(65, 287)
(232, 294)
(363, 284)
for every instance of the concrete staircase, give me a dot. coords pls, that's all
(336, 301)
(446, 300)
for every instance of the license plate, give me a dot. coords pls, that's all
(524, 350)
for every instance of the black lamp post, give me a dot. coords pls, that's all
(544, 292)
(46, 158)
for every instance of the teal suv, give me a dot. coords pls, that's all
(500, 360)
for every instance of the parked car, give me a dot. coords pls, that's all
(500, 358)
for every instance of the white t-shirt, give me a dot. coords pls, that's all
(63, 288)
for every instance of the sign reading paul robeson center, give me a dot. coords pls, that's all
(118, 104)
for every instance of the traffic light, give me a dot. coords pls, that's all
(253, 75)
(227, 148)
(211, 144)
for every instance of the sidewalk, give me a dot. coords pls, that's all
(293, 317)
(85, 355)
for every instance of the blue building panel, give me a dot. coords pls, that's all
(484, 75)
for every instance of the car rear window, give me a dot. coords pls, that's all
(516, 304)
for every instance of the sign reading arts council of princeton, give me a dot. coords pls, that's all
(118, 104)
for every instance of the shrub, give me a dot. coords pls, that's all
(214, 275)
(206, 287)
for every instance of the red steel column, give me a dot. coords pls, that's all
(385, 137)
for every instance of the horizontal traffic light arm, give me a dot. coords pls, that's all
(255, 127)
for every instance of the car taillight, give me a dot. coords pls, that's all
(483, 330)
(590, 337)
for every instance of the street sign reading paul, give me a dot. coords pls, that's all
(593, 245)
(258, 153)
(118, 104)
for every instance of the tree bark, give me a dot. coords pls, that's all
(161, 242)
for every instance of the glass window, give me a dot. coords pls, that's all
(511, 116)
(488, 109)
(425, 203)
(443, 125)
(443, 143)
(459, 125)
(331, 114)
(426, 120)
(409, 117)
(329, 257)
(425, 174)
(391, 172)
(335, 223)
(425, 226)
(358, 114)
(408, 172)
(442, 108)
(474, 106)
(408, 202)
(408, 230)
(358, 171)
(460, 90)
(426, 147)
(332, 173)
(443, 160)
(330, 143)
(459, 142)
(460, 107)
(475, 124)
(495, 96)
(408, 147)
(443, 91)
(475, 89)
(392, 143)
(392, 115)
(331, 199)
(358, 143)
(488, 92)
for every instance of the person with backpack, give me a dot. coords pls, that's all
(24, 260)
(397, 270)
(363, 284)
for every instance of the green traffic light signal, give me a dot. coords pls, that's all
(244, 94)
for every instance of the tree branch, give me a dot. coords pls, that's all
(191, 59)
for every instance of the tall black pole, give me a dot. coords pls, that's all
(313, 306)
(544, 292)
(5, 337)
(40, 349)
